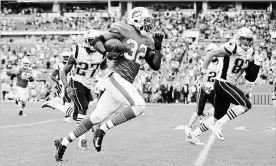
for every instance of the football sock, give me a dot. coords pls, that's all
(193, 119)
(232, 114)
(84, 126)
(120, 117)
(66, 109)
(204, 126)
(208, 112)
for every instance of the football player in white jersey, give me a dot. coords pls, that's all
(86, 61)
(60, 96)
(238, 57)
(205, 93)
(119, 90)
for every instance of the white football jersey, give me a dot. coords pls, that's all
(234, 65)
(212, 73)
(86, 65)
(59, 67)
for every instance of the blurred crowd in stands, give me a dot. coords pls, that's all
(175, 82)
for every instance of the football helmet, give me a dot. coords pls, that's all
(65, 57)
(26, 62)
(142, 19)
(88, 37)
(244, 38)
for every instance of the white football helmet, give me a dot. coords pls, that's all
(244, 38)
(64, 57)
(211, 47)
(26, 62)
(89, 36)
(142, 19)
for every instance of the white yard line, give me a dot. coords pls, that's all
(205, 151)
(30, 124)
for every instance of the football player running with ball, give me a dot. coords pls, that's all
(238, 57)
(119, 90)
(205, 93)
(24, 76)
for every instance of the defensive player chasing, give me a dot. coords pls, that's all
(23, 75)
(86, 61)
(119, 91)
(206, 93)
(238, 56)
(61, 96)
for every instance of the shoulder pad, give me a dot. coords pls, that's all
(75, 51)
(230, 47)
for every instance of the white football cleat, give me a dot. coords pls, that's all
(188, 130)
(192, 139)
(67, 119)
(216, 129)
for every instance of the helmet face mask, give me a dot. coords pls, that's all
(88, 38)
(26, 63)
(65, 59)
(245, 38)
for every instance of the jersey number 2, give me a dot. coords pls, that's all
(134, 55)
(211, 77)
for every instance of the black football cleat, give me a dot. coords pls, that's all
(98, 138)
(60, 149)
(47, 105)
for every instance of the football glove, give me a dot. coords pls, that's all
(158, 38)
(70, 91)
(259, 59)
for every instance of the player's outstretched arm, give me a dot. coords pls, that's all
(253, 68)
(220, 52)
(67, 68)
(54, 74)
(154, 58)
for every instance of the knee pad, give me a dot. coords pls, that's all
(139, 106)
(96, 119)
(138, 109)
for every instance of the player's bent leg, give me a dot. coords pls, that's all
(126, 93)
(242, 103)
(201, 101)
(106, 105)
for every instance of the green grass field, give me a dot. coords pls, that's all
(149, 140)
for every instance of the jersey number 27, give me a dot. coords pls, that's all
(134, 54)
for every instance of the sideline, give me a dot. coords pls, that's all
(205, 151)
(30, 124)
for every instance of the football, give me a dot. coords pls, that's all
(112, 43)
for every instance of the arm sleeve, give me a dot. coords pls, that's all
(252, 72)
